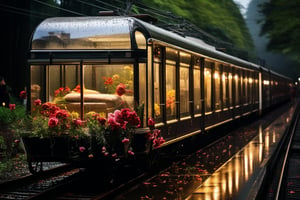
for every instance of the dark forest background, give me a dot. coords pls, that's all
(220, 21)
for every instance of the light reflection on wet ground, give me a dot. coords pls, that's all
(235, 178)
(221, 171)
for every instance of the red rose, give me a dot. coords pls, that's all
(151, 122)
(37, 102)
(12, 106)
(102, 120)
(121, 89)
(23, 94)
(52, 122)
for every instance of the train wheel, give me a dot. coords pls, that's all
(35, 166)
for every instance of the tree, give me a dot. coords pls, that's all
(282, 27)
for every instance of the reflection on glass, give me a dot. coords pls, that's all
(184, 91)
(157, 97)
(207, 89)
(82, 33)
(197, 92)
(105, 87)
(170, 91)
(217, 80)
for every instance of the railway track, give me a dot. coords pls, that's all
(284, 180)
(34, 186)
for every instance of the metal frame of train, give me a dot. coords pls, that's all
(184, 84)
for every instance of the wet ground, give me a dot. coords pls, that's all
(225, 169)
(221, 170)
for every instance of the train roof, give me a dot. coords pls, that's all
(100, 28)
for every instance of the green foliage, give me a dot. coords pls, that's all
(281, 25)
(219, 18)
(7, 116)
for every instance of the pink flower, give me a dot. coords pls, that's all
(77, 122)
(130, 152)
(12, 106)
(112, 122)
(23, 94)
(81, 149)
(114, 155)
(17, 141)
(156, 133)
(125, 140)
(158, 141)
(37, 102)
(52, 122)
(151, 122)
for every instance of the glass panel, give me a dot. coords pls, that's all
(217, 93)
(140, 40)
(170, 91)
(63, 84)
(107, 88)
(157, 93)
(237, 90)
(55, 82)
(142, 92)
(246, 86)
(171, 55)
(197, 90)
(82, 33)
(224, 89)
(37, 73)
(184, 91)
(250, 94)
(150, 86)
(244, 81)
(207, 89)
(230, 89)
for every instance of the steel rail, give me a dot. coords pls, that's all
(284, 164)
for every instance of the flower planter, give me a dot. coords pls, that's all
(47, 149)
(141, 143)
(51, 149)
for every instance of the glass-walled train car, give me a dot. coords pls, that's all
(102, 64)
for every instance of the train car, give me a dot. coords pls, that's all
(184, 84)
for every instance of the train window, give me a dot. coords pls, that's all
(256, 89)
(105, 87)
(142, 92)
(217, 87)
(230, 89)
(224, 89)
(237, 89)
(197, 90)
(37, 74)
(63, 83)
(140, 40)
(245, 88)
(250, 88)
(171, 55)
(170, 91)
(108, 87)
(184, 90)
(157, 92)
(207, 86)
(185, 60)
